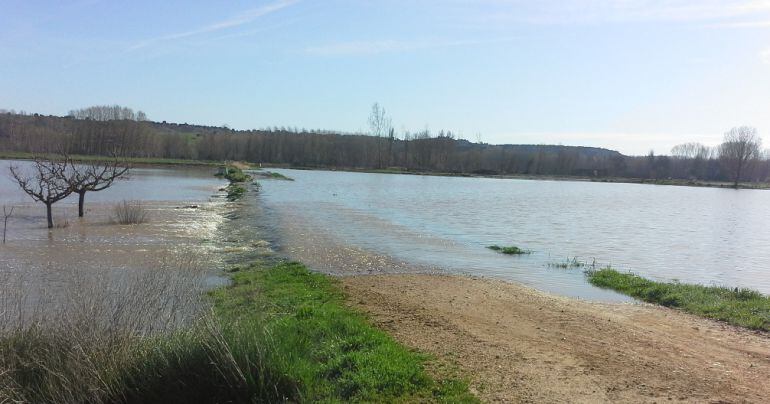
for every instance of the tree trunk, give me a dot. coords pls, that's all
(81, 202)
(49, 214)
(738, 176)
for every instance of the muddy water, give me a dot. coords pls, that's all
(185, 212)
(702, 235)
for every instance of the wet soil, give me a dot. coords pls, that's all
(517, 344)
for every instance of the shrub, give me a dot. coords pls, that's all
(129, 212)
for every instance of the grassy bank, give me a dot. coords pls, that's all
(277, 333)
(742, 307)
(328, 351)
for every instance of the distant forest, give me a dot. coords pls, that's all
(104, 130)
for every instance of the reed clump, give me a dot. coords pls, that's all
(129, 212)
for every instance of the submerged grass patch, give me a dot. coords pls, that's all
(510, 250)
(279, 176)
(233, 174)
(573, 263)
(236, 176)
(742, 307)
(235, 192)
(330, 351)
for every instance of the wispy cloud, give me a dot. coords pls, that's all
(741, 24)
(390, 46)
(595, 11)
(764, 56)
(242, 18)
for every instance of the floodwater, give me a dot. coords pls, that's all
(184, 214)
(701, 235)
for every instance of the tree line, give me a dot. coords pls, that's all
(738, 158)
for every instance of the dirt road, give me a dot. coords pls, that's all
(520, 345)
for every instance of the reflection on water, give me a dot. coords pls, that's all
(703, 235)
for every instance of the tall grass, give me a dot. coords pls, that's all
(94, 336)
(143, 336)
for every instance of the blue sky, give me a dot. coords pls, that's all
(630, 75)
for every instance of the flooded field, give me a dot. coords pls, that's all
(184, 213)
(702, 235)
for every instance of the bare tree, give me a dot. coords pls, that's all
(95, 176)
(380, 125)
(50, 181)
(6, 215)
(741, 147)
(692, 150)
(108, 113)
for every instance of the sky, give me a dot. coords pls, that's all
(629, 75)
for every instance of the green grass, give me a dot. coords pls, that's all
(329, 351)
(742, 307)
(235, 192)
(236, 176)
(279, 176)
(510, 250)
(233, 174)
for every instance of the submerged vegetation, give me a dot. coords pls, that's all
(573, 263)
(509, 250)
(233, 174)
(279, 176)
(236, 176)
(742, 307)
(235, 192)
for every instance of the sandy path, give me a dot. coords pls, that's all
(520, 345)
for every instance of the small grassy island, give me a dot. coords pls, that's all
(509, 250)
